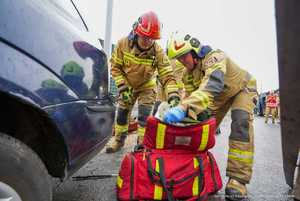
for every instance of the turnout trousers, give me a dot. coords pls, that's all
(145, 99)
(241, 138)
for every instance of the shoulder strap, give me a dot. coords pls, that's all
(163, 179)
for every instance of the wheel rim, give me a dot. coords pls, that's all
(7, 193)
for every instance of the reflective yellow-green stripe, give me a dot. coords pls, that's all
(121, 128)
(204, 138)
(119, 80)
(165, 71)
(119, 182)
(180, 85)
(197, 83)
(160, 136)
(150, 84)
(196, 180)
(196, 186)
(141, 131)
(172, 88)
(179, 65)
(139, 59)
(158, 190)
(237, 158)
(201, 96)
(240, 155)
(241, 152)
(116, 59)
(136, 60)
(217, 66)
(189, 88)
(196, 163)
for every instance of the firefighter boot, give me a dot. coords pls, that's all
(117, 144)
(235, 190)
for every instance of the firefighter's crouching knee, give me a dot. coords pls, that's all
(122, 116)
(240, 125)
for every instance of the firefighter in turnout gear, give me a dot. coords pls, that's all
(134, 63)
(271, 107)
(213, 81)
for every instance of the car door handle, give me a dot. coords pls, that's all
(96, 107)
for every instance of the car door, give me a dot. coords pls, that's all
(86, 73)
(53, 34)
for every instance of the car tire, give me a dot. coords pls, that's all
(23, 176)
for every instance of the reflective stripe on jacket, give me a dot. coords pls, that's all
(137, 68)
(271, 101)
(216, 76)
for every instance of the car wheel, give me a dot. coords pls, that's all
(23, 176)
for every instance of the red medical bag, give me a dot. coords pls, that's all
(199, 137)
(168, 175)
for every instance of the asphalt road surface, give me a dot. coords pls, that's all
(267, 182)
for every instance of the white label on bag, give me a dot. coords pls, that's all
(183, 140)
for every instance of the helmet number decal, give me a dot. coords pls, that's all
(211, 61)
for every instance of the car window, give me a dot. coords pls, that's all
(68, 11)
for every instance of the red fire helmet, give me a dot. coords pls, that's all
(148, 25)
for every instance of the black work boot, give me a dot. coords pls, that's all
(235, 190)
(117, 144)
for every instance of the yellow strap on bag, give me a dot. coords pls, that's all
(196, 179)
(119, 182)
(158, 190)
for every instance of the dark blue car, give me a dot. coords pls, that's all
(56, 112)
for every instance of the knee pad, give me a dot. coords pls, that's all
(122, 116)
(240, 125)
(144, 112)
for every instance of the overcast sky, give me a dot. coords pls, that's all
(244, 29)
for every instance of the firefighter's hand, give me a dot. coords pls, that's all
(174, 101)
(206, 114)
(174, 115)
(125, 94)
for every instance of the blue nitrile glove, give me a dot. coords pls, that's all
(174, 115)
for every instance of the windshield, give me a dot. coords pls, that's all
(94, 15)
(68, 11)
